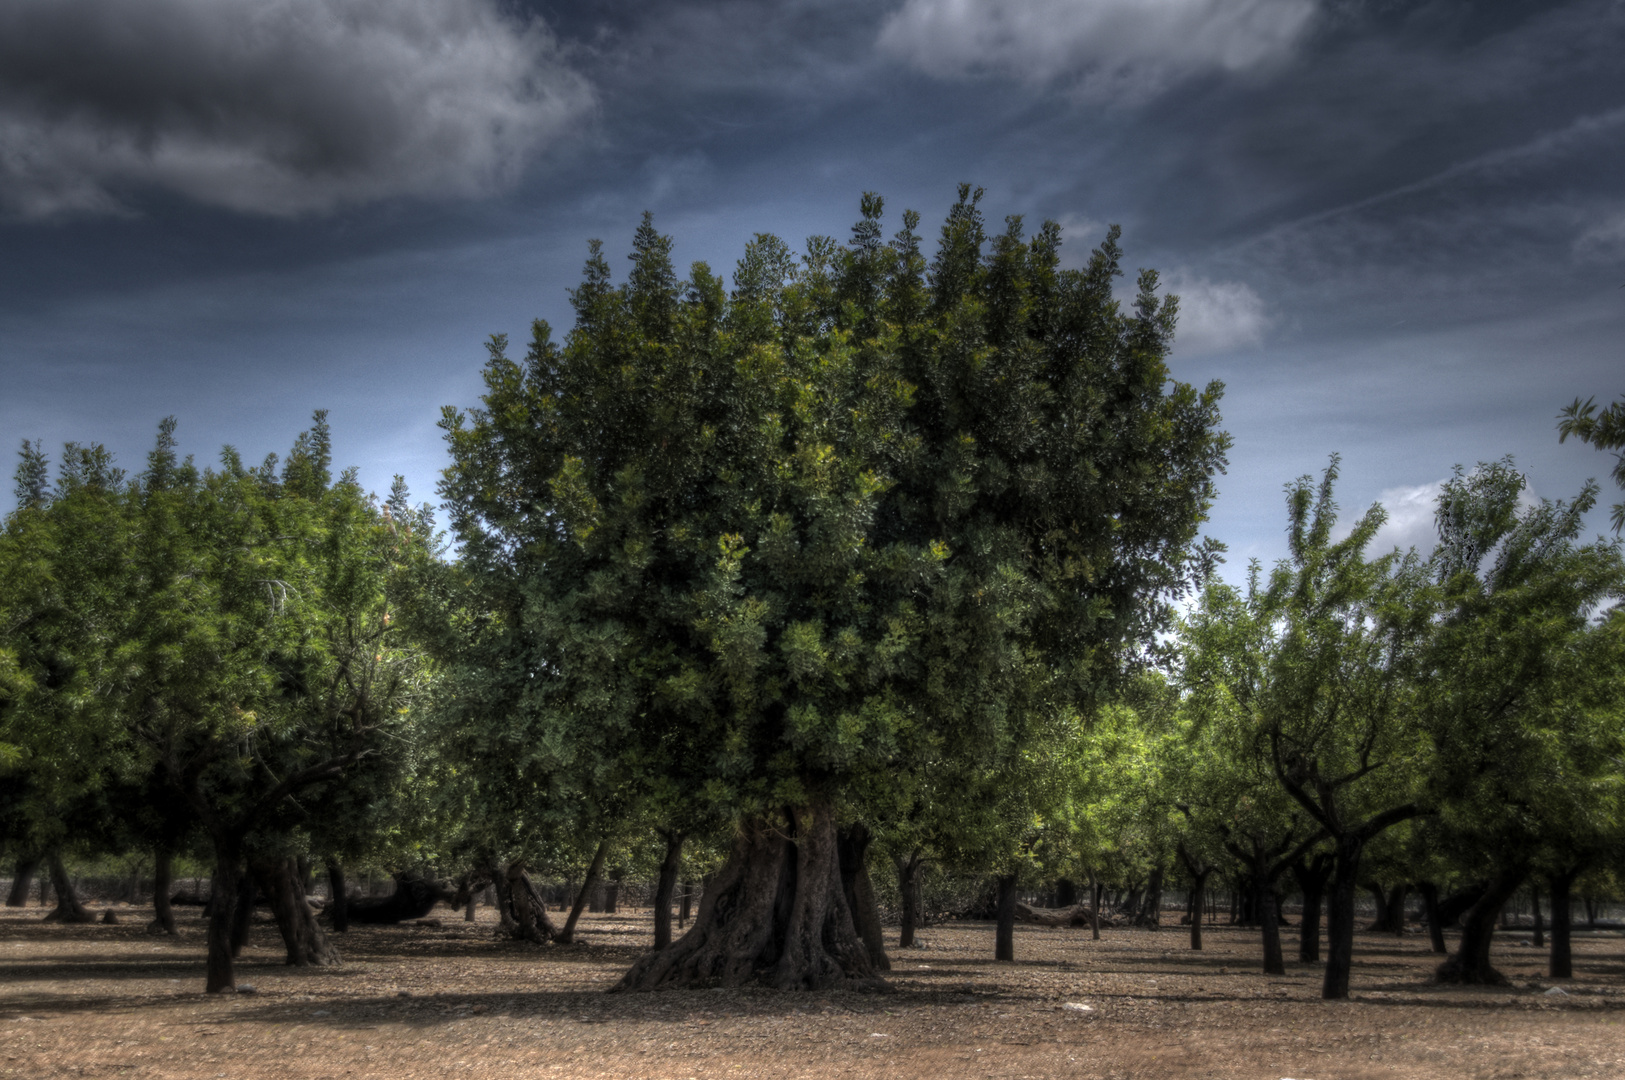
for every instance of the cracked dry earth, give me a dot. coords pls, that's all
(452, 1001)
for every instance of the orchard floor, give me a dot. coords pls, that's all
(415, 1002)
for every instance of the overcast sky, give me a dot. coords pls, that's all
(1397, 226)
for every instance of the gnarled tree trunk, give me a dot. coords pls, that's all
(163, 873)
(852, 847)
(1471, 961)
(68, 908)
(281, 882)
(774, 914)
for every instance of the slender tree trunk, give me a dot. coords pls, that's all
(1430, 909)
(852, 849)
(242, 919)
(775, 913)
(1396, 909)
(1066, 893)
(1198, 895)
(22, 878)
(1471, 961)
(1340, 920)
(670, 866)
(909, 896)
(68, 908)
(1004, 937)
(567, 935)
(1379, 900)
(163, 872)
(683, 911)
(1095, 912)
(307, 946)
(1311, 878)
(612, 893)
(1538, 940)
(1562, 957)
(1591, 912)
(1269, 923)
(340, 904)
(220, 974)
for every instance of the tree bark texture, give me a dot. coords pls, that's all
(22, 878)
(1004, 937)
(852, 849)
(568, 934)
(775, 914)
(524, 910)
(670, 867)
(1430, 911)
(1198, 897)
(1340, 920)
(1269, 924)
(1471, 961)
(1094, 911)
(283, 884)
(1311, 877)
(1562, 956)
(339, 905)
(910, 897)
(163, 874)
(68, 908)
(220, 974)
(242, 916)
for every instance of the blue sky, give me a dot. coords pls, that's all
(1397, 226)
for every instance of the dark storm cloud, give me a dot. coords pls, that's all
(272, 106)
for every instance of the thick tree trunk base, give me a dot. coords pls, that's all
(68, 908)
(775, 915)
(22, 880)
(302, 936)
(1470, 964)
(1455, 972)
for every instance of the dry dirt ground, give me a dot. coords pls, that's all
(451, 1001)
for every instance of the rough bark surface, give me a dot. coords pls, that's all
(1430, 911)
(339, 906)
(910, 895)
(670, 866)
(1471, 961)
(1004, 937)
(568, 934)
(1075, 915)
(68, 908)
(853, 850)
(242, 915)
(22, 879)
(1340, 920)
(163, 870)
(775, 914)
(1311, 877)
(220, 974)
(1562, 955)
(282, 883)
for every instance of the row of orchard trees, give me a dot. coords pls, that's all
(865, 550)
(197, 657)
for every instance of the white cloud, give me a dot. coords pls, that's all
(1216, 316)
(273, 106)
(1602, 241)
(1107, 47)
(1410, 519)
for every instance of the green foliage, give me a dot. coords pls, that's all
(1605, 431)
(859, 520)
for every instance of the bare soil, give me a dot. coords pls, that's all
(451, 1000)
